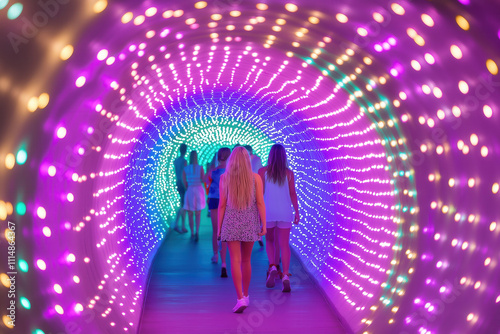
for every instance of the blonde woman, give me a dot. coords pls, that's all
(195, 194)
(241, 212)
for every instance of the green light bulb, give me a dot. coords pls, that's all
(21, 156)
(3, 3)
(14, 11)
(23, 265)
(25, 303)
(21, 208)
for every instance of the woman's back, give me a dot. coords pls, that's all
(241, 224)
(278, 200)
(253, 199)
(193, 175)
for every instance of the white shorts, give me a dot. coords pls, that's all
(279, 224)
(194, 199)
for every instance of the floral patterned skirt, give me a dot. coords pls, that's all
(241, 224)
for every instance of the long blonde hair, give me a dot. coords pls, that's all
(238, 179)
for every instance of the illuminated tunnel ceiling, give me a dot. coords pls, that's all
(388, 109)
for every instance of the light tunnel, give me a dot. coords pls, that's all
(388, 111)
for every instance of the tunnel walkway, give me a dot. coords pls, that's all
(187, 295)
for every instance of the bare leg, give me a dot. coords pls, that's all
(284, 240)
(213, 218)
(276, 246)
(178, 214)
(191, 222)
(235, 253)
(176, 220)
(198, 220)
(181, 213)
(270, 245)
(183, 218)
(246, 265)
(223, 253)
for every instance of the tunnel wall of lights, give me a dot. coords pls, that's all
(388, 113)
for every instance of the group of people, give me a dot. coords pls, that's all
(246, 201)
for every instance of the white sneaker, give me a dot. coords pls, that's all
(246, 299)
(240, 306)
(273, 273)
(286, 284)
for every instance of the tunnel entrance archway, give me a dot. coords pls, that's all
(349, 204)
(401, 87)
(335, 149)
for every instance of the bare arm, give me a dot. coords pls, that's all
(208, 176)
(262, 174)
(222, 203)
(293, 196)
(261, 206)
(202, 174)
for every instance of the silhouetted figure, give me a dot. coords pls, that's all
(210, 166)
(255, 160)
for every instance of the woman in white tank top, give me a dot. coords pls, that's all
(194, 201)
(279, 197)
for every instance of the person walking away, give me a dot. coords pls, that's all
(208, 180)
(195, 194)
(179, 164)
(241, 212)
(255, 161)
(279, 196)
(213, 205)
